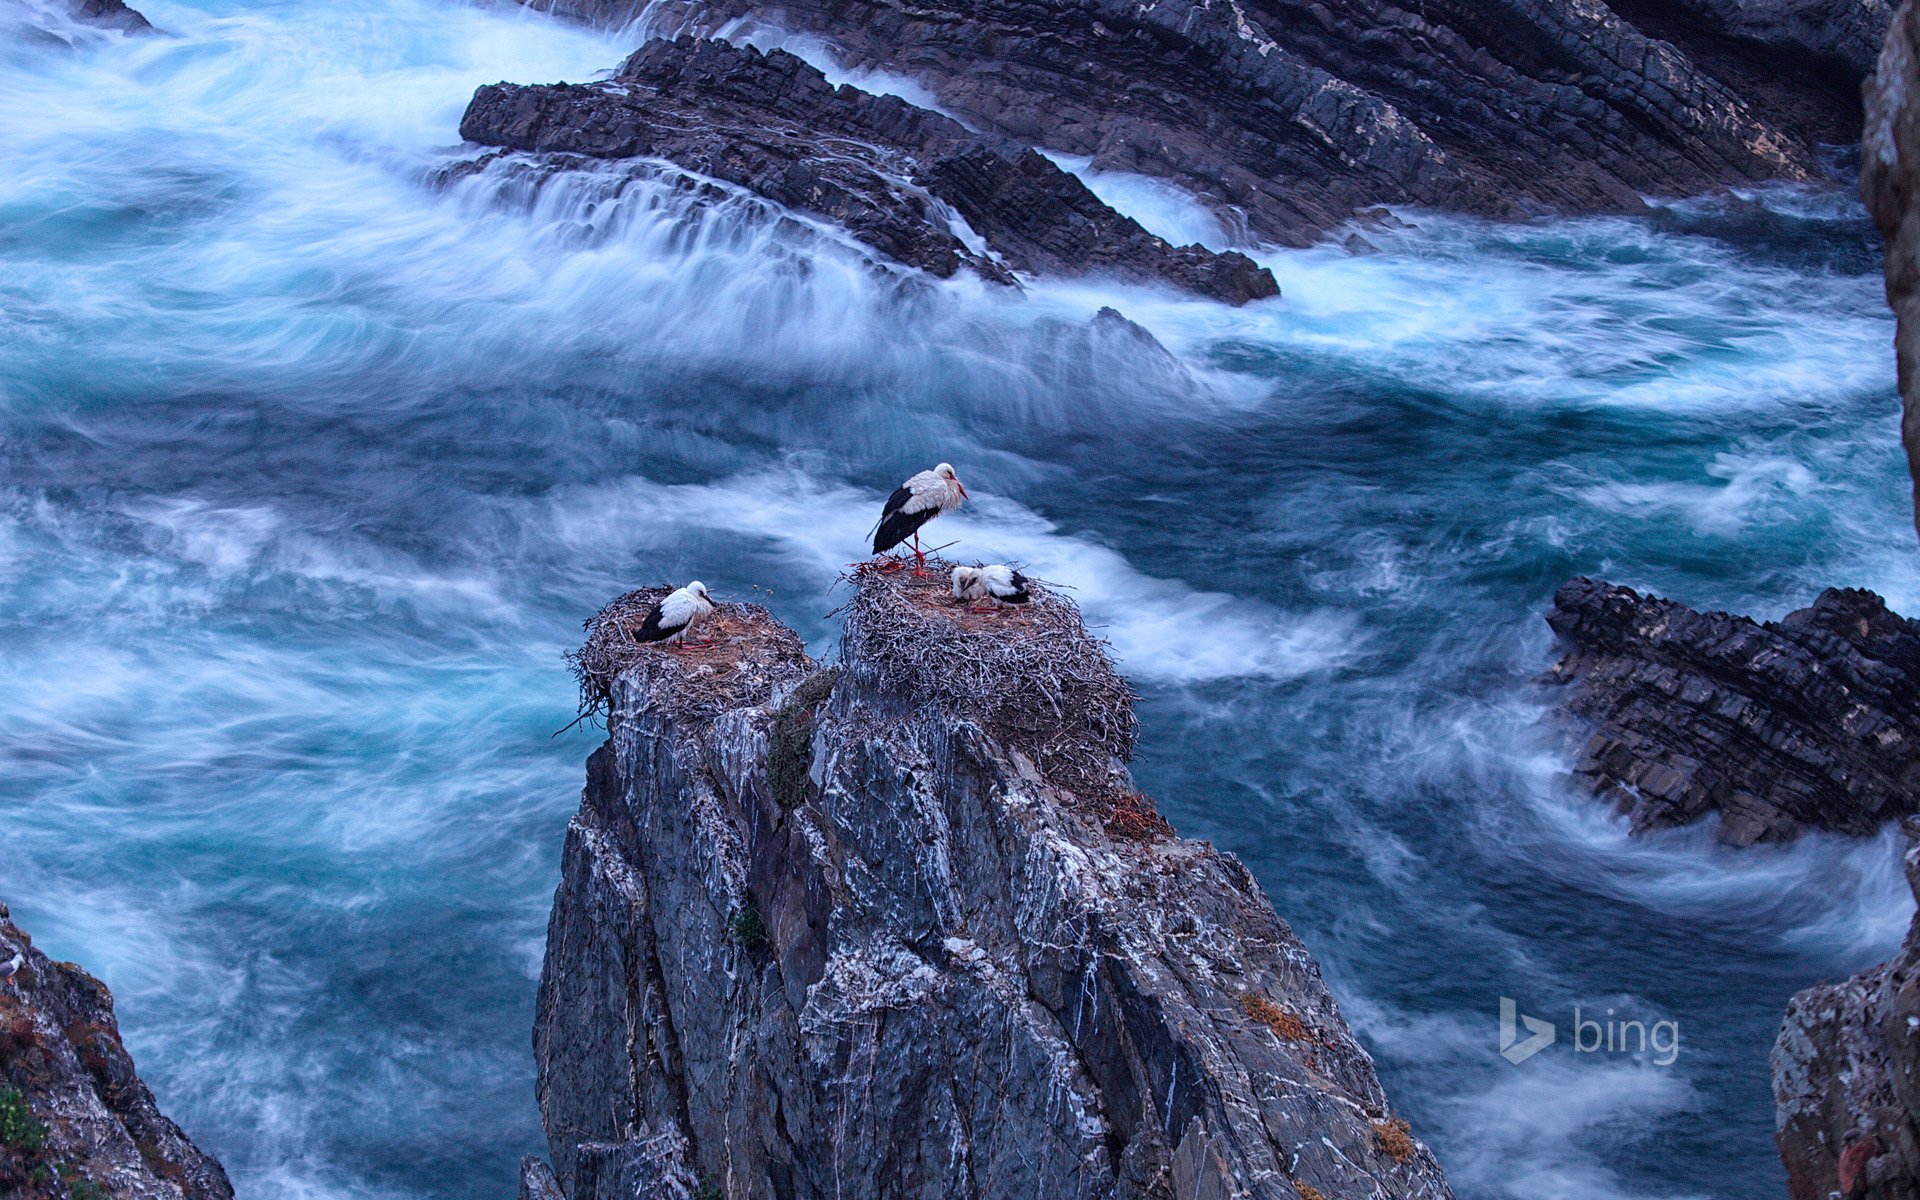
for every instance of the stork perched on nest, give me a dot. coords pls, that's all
(678, 614)
(914, 503)
(990, 587)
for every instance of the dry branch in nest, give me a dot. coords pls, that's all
(1030, 675)
(751, 652)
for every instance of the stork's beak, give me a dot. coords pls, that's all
(962, 487)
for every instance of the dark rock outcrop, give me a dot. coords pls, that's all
(888, 172)
(114, 14)
(1288, 115)
(845, 932)
(75, 1119)
(1846, 1078)
(1811, 722)
(1890, 184)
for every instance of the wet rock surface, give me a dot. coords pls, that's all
(829, 937)
(893, 175)
(75, 1119)
(1890, 185)
(1846, 1078)
(112, 14)
(1810, 722)
(1286, 117)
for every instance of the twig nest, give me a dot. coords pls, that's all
(1030, 675)
(751, 655)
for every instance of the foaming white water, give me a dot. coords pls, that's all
(1161, 208)
(1553, 1127)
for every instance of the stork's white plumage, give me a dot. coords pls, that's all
(914, 503)
(678, 614)
(12, 965)
(991, 585)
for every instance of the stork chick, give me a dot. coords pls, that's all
(914, 503)
(990, 587)
(677, 615)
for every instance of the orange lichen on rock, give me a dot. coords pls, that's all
(1283, 1023)
(1395, 1137)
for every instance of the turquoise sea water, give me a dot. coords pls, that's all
(309, 472)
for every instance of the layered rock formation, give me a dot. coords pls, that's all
(891, 174)
(1846, 1078)
(1890, 184)
(874, 931)
(75, 1119)
(1811, 722)
(1288, 115)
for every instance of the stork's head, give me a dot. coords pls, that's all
(945, 471)
(699, 589)
(963, 578)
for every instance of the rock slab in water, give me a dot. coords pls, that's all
(1286, 116)
(891, 174)
(87, 1117)
(819, 936)
(114, 14)
(1811, 722)
(1890, 185)
(1846, 1078)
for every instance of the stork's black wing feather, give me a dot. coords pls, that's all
(1019, 594)
(897, 526)
(652, 631)
(900, 496)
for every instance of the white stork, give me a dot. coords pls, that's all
(914, 503)
(678, 614)
(9, 968)
(990, 586)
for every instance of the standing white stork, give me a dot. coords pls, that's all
(914, 503)
(992, 586)
(678, 614)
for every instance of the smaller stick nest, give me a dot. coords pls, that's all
(1030, 675)
(752, 652)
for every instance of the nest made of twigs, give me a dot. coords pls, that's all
(1030, 675)
(750, 654)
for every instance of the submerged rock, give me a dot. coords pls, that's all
(899, 178)
(1846, 1078)
(868, 932)
(114, 14)
(1890, 185)
(75, 1119)
(1287, 116)
(1811, 722)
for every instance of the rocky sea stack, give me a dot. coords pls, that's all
(1810, 722)
(862, 931)
(75, 1119)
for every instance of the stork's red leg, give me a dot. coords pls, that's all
(919, 559)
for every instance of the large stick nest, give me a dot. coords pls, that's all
(1030, 675)
(750, 654)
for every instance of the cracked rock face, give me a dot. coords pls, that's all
(1846, 1078)
(87, 1115)
(898, 178)
(1810, 722)
(1286, 116)
(903, 963)
(1890, 185)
